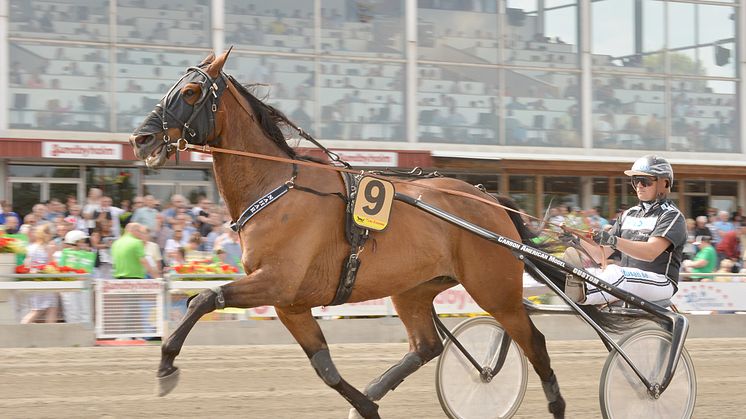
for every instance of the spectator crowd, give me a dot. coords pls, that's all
(143, 239)
(146, 238)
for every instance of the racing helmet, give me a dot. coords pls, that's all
(652, 165)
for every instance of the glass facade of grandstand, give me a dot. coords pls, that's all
(656, 75)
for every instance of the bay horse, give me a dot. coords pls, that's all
(293, 250)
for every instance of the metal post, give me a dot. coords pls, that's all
(4, 58)
(586, 94)
(410, 86)
(217, 14)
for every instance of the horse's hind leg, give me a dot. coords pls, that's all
(521, 329)
(503, 299)
(414, 308)
(305, 329)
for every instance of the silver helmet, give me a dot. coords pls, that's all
(652, 165)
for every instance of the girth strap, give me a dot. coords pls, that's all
(356, 236)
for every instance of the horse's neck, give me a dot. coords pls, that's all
(242, 180)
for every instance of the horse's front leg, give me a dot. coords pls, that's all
(252, 291)
(305, 329)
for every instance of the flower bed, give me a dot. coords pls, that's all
(210, 269)
(48, 269)
(10, 245)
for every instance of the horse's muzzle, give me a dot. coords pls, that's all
(142, 142)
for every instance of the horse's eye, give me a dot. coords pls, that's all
(188, 93)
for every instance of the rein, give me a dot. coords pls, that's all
(183, 145)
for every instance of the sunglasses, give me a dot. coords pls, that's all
(645, 181)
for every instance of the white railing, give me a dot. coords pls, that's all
(143, 307)
(75, 293)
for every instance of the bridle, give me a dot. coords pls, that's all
(196, 125)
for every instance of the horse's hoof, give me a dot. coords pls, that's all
(354, 414)
(557, 408)
(167, 383)
(371, 412)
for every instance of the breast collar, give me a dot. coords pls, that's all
(264, 202)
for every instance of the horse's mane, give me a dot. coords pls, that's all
(269, 118)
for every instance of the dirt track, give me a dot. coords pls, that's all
(278, 382)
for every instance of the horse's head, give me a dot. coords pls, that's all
(186, 114)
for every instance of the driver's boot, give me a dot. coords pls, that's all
(574, 286)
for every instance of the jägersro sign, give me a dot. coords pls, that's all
(69, 150)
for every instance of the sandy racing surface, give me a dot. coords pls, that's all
(278, 382)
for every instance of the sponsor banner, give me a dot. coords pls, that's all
(131, 286)
(68, 150)
(710, 296)
(452, 301)
(369, 158)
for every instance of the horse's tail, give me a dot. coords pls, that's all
(611, 323)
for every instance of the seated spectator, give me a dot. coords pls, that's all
(654, 128)
(705, 261)
(299, 115)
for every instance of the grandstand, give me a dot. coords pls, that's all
(468, 81)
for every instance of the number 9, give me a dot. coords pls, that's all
(375, 194)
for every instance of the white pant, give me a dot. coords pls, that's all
(647, 285)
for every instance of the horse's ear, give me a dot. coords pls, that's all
(209, 59)
(217, 65)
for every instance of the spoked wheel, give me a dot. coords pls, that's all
(623, 395)
(463, 392)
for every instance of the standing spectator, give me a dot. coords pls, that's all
(126, 217)
(55, 209)
(75, 217)
(594, 217)
(700, 228)
(178, 204)
(77, 254)
(689, 249)
(173, 246)
(11, 224)
(101, 240)
(128, 255)
(6, 209)
(111, 213)
(40, 252)
(730, 244)
(40, 213)
(721, 226)
(146, 215)
(205, 220)
(152, 251)
(93, 203)
(705, 261)
(228, 248)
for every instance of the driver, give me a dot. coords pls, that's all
(650, 237)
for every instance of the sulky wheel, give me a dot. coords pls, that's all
(463, 392)
(623, 395)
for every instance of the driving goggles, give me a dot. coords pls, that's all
(643, 180)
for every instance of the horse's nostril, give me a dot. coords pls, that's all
(140, 139)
